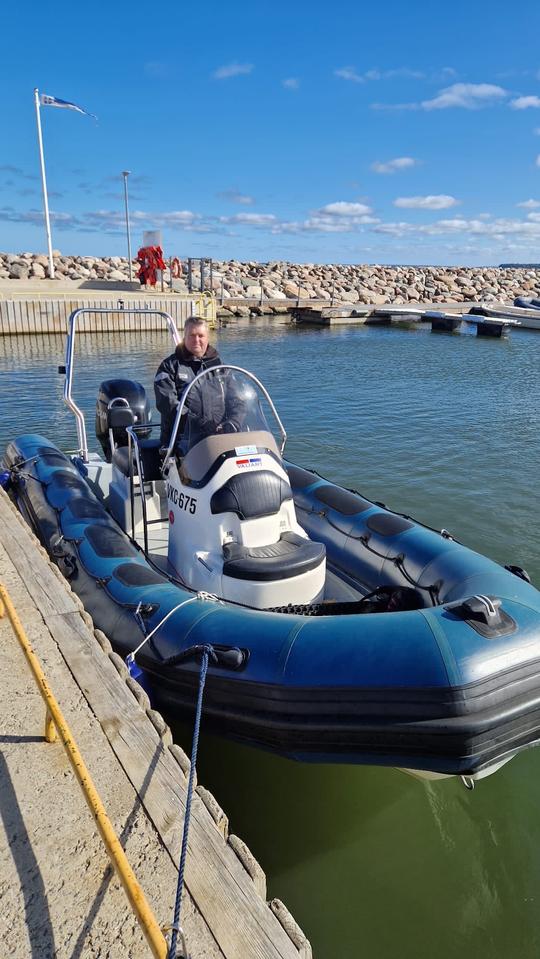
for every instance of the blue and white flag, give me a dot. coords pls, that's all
(47, 101)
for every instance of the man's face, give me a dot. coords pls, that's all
(196, 340)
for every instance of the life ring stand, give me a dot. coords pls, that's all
(176, 267)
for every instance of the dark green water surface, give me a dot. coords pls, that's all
(370, 861)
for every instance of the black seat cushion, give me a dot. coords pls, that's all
(290, 556)
(150, 458)
(251, 494)
(120, 459)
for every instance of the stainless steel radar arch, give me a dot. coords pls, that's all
(70, 352)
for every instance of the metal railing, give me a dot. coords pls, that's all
(55, 723)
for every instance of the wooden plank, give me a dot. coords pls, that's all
(240, 921)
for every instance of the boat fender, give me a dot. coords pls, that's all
(518, 571)
(5, 479)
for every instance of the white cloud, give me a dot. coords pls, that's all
(438, 202)
(252, 219)
(394, 106)
(321, 223)
(405, 72)
(113, 219)
(232, 70)
(391, 166)
(523, 103)
(349, 73)
(526, 229)
(291, 83)
(338, 217)
(234, 196)
(470, 96)
(529, 204)
(341, 208)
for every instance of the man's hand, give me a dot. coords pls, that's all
(227, 427)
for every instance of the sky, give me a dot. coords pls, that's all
(303, 131)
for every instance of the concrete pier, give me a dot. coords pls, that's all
(59, 896)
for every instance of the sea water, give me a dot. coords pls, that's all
(445, 428)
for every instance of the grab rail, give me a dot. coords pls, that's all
(55, 722)
(70, 349)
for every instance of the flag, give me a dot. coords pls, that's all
(47, 101)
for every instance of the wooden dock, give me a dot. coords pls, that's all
(58, 896)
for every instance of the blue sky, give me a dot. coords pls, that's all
(346, 132)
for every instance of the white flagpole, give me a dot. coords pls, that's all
(44, 185)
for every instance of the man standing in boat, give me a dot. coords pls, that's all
(213, 408)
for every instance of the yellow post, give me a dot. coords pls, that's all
(55, 721)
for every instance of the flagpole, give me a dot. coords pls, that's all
(44, 185)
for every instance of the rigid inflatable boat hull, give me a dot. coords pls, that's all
(420, 689)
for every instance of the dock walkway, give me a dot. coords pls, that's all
(59, 896)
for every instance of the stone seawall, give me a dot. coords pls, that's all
(278, 280)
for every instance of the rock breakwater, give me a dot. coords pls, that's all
(277, 280)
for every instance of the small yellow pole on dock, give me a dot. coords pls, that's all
(54, 721)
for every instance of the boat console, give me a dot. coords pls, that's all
(233, 527)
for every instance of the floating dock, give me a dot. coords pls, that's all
(442, 321)
(445, 321)
(59, 896)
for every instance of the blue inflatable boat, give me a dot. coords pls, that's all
(340, 631)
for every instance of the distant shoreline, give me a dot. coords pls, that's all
(278, 280)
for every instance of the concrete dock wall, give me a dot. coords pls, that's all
(31, 314)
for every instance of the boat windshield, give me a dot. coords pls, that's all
(221, 401)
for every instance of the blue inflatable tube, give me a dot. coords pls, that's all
(451, 687)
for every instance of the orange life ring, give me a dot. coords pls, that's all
(176, 267)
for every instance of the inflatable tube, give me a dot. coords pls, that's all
(527, 302)
(446, 688)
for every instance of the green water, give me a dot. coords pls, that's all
(370, 862)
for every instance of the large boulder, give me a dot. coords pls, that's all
(18, 271)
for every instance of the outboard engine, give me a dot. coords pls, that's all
(232, 522)
(120, 403)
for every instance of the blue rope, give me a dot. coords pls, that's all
(183, 855)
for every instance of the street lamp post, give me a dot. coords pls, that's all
(125, 174)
